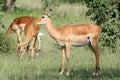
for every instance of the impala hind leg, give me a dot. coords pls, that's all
(94, 47)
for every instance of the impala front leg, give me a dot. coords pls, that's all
(67, 57)
(63, 59)
(20, 51)
(32, 47)
(19, 55)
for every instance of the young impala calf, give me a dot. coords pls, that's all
(76, 35)
(18, 25)
(31, 33)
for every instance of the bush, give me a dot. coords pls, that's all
(6, 44)
(106, 13)
(49, 4)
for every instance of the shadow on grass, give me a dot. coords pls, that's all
(84, 74)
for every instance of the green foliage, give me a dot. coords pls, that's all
(72, 1)
(0, 5)
(47, 4)
(106, 13)
(3, 7)
(6, 44)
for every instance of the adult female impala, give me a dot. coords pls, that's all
(76, 35)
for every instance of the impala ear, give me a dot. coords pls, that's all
(49, 12)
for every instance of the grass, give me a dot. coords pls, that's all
(46, 66)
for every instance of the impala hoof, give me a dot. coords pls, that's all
(37, 54)
(61, 72)
(67, 74)
(96, 74)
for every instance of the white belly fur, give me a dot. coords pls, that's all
(79, 44)
(79, 41)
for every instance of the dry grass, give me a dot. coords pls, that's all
(29, 4)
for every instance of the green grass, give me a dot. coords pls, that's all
(46, 66)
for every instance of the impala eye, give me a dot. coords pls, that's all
(43, 17)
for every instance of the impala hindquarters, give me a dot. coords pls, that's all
(18, 25)
(76, 35)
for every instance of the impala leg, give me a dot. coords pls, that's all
(39, 43)
(67, 57)
(19, 55)
(32, 50)
(20, 51)
(22, 47)
(94, 48)
(63, 59)
(27, 49)
(97, 68)
(32, 46)
(27, 46)
(18, 37)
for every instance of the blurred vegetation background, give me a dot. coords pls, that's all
(105, 13)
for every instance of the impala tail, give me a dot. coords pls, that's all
(9, 30)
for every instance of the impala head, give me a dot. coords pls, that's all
(44, 18)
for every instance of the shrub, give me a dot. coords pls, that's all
(106, 13)
(6, 44)
(47, 4)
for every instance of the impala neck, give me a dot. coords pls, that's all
(52, 30)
